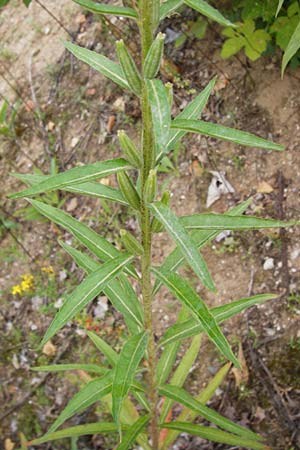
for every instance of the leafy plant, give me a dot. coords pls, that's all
(138, 386)
(5, 2)
(7, 119)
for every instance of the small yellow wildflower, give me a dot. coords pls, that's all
(48, 269)
(16, 289)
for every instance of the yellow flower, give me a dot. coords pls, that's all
(17, 289)
(48, 269)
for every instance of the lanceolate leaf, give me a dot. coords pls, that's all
(166, 362)
(89, 394)
(207, 10)
(108, 68)
(181, 372)
(192, 111)
(191, 327)
(161, 114)
(292, 48)
(132, 433)
(128, 362)
(99, 246)
(280, 3)
(62, 367)
(187, 246)
(80, 430)
(75, 176)
(186, 414)
(186, 294)
(119, 291)
(200, 238)
(86, 292)
(168, 7)
(101, 8)
(215, 435)
(107, 350)
(179, 395)
(224, 133)
(226, 222)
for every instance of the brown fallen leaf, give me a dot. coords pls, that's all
(9, 444)
(50, 126)
(264, 188)
(111, 123)
(49, 349)
(195, 168)
(241, 375)
(221, 83)
(72, 204)
(80, 19)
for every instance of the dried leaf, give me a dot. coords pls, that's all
(264, 188)
(9, 444)
(72, 204)
(111, 123)
(50, 126)
(241, 375)
(49, 349)
(218, 186)
(221, 83)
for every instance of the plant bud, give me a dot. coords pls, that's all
(154, 56)
(129, 68)
(169, 90)
(150, 187)
(128, 190)
(156, 226)
(129, 149)
(131, 243)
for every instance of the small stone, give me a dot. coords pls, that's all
(268, 264)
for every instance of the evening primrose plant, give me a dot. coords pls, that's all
(140, 384)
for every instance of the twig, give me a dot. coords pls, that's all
(17, 240)
(57, 20)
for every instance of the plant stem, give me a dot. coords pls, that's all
(146, 31)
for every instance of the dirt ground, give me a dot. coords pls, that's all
(69, 114)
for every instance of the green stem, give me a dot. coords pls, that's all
(146, 31)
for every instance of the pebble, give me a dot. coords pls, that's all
(268, 264)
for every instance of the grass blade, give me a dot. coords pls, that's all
(99, 246)
(186, 294)
(187, 246)
(77, 431)
(221, 313)
(181, 396)
(212, 434)
(175, 259)
(132, 433)
(108, 68)
(224, 133)
(226, 222)
(62, 367)
(86, 292)
(208, 11)
(168, 7)
(107, 350)
(292, 48)
(75, 176)
(101, 8)
(89, 394)
(127, 364)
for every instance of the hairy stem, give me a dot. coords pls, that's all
(146, 31)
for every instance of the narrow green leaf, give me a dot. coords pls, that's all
(62, 367)
(187, 415)
(92, 189)
(89, 394)
(75, 176)
(185, 243)
(168, 7)
(99, 246)
(192, 111)
(280, 3)
(181, 396)
(108, 68)
(161, 114)
(132, 433)
(107, 350)
(166, 362)
(212, 434)
(208, 11)
(187, 295)
(200, 237)
(292, 48)
(181, 372)
(224, 133)
(101, 8)
(86, 292)
(120, 292)
(127, 364)
(226, 222)
(221, 313)
(77, 431)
